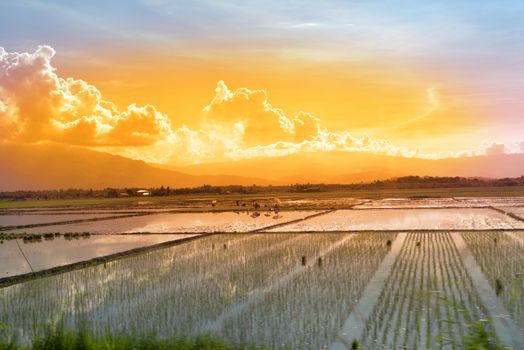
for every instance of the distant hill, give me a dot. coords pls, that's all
(345, 167)
(53, 166)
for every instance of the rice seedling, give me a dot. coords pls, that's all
(426, 275)
(174, 291)
(308, 310)
(280, 290)
(503, 265)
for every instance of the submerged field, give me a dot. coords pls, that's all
(387, 274)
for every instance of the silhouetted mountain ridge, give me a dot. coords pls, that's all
(54, 166)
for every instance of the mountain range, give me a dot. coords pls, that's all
(55, 166)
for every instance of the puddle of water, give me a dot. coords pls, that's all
(405, 219)
(31, 219)
(60, 251)
(183, 222)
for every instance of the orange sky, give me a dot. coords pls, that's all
(182, 83)
(405, 105)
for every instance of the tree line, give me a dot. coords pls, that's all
(405, 182)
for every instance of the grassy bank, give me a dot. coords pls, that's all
(57, 338)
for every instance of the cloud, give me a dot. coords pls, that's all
(242, 124)
(495, 149)
(324, 141)
(490, 148)
(249, 111)
(260, 129)
(428, 121)
(37, 104)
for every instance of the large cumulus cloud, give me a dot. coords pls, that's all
(267, 131)
(250, 112)
(36, 104)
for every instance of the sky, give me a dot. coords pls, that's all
(184, 82)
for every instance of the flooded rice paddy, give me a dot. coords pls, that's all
(455, 202)
(10, 220)
(406, 219)
(381, 279)
(181, 222)
(518, 211)
(17, 257)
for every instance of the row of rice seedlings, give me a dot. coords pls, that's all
(171, 291)
(427, 300)
(501, 259)
(38, 237)
(309, 310)
(77, 291)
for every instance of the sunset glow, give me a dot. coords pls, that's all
(214, 81)
(248, 175)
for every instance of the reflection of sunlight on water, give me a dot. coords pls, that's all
(30, 219)
(59, 251)
(177, 289)
(12, 261)
(462, 202)
(179, 222)
(405, 219)
(518, 211)
(325, 201)
(213, 222)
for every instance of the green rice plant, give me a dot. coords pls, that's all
(480, 334)
(481, 338)
(409, 312)
(58, 337)
(308, 310)
(502, 264)
(499, 287)
(182, 290)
